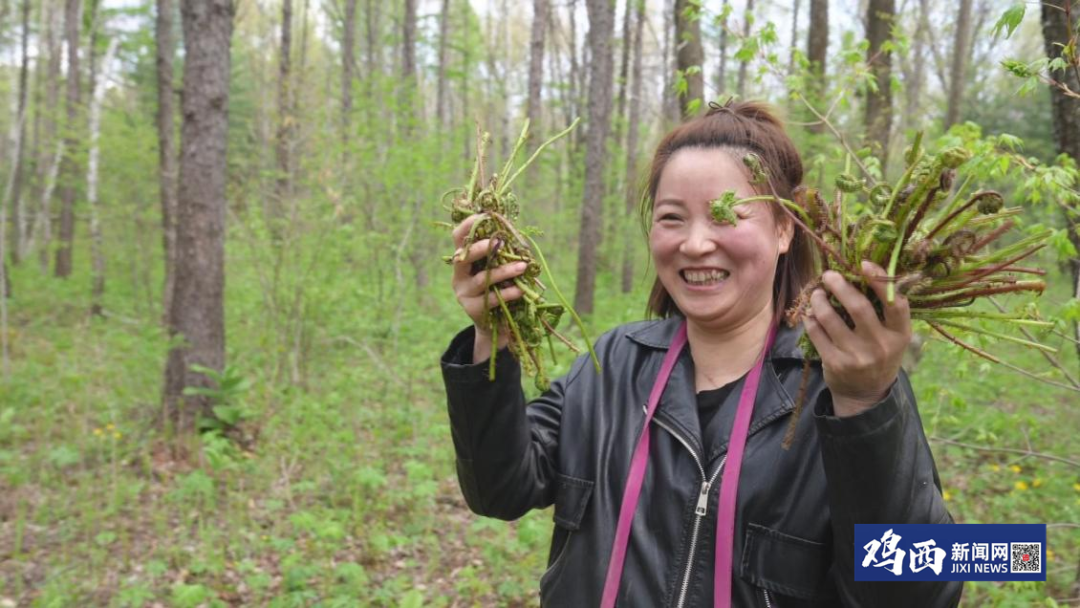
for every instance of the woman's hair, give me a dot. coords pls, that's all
(739, 127)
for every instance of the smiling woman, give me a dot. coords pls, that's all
(667, 473)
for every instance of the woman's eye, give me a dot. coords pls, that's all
(667, 217)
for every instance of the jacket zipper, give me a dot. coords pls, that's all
(699, 511)
(768, 602)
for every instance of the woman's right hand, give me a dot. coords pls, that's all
(471, 291)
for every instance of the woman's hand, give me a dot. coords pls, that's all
(860, 364)
(471, 291)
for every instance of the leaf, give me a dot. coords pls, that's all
(1010, 19)
(1060, 241)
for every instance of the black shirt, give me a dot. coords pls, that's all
(709, 403)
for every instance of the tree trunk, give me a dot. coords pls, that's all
(97, 95)
(197, 314)
(689, 55)
(1057, 25)
(817, 47)
(721, 73)
(632, 131)
(601, 26)
(52, 151)
(442, 111)
(408, 57)
(958, 74)
(744, 65)
(166, 50)
(917, 79)
(669, 101)
(348, 70)
(18, 215)
(69, 172)
(794, 37)
(283, 184)
(879, 19)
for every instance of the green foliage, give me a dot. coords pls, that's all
(1010, 20)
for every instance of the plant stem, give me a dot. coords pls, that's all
(564, 302)
(506, 185)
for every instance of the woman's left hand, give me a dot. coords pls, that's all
(860, 364)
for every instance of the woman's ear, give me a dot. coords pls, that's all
(785, 233)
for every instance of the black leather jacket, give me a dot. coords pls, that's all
(794, 540)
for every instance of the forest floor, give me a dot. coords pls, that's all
(344, 493)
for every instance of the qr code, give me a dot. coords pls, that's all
(1026, 558)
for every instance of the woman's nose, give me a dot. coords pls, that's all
(700, 239)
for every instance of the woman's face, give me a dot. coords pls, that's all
(719, 275)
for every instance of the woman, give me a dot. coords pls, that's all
(706, 507)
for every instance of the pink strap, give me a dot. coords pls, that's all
(725, 524)
(729, 483)
(637, 474)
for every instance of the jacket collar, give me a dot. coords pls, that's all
(678, 404)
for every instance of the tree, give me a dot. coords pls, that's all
(166, 49)
(286, 119)
(348, 67)
(69, 170)
(536, 63)
(197, 316)
(958, 73)
(721, 73)
(97, 95)
(601, 27)
(18, 215)
(631, 147)
(879, 19)
(1058, 23)
(442, 110)
(52, 151)
(689, 56)
(817, 48)
(748, 16)
(915, 78)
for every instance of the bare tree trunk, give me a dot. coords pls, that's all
(408, 57)
(689, 55)
(283, 184)
(721, 73)
(536, 64)
(794, 37)
(97, 249)
(70, 170)
(442, 112)
(669, 103)
(348, 69)
(631, 150)
(18, 216)
(601, 26)
(197, 313)
(958, 74)
(575, 80)
(879, 19)
(916, 81)
(1057, 25)
(166, 50)
(48, 170)
(740, 87)
(817, 47)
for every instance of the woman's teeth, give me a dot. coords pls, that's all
(704, 277)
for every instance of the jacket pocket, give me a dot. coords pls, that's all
(571, 499)
(781, 564)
